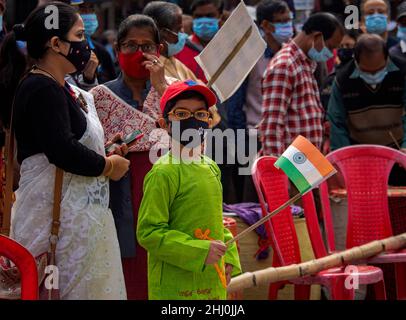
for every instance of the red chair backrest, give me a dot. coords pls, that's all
(25, 263)
(272, 188)
(365, 169)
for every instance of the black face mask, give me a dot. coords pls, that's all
(345, 54)
(191, 138)
(79, 54)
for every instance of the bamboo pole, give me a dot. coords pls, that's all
(271, 275)
(264, 219)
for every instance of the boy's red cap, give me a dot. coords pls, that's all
(177, 88)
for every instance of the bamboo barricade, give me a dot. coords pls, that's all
(271, 275)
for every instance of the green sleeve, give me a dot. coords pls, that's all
(404, 119)
(153, 231)
(337, 117)
(231, 256)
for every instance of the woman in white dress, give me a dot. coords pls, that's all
(56, 125)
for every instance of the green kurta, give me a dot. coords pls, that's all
(178, 199)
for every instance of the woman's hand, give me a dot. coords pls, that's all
(120, 150)
(157, 72)
(116, 167)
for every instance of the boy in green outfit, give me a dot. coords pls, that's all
(180, 221)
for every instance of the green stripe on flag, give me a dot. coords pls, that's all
(293, 173)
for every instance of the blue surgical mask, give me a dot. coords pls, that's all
(1, 23)
(205, 28)
(401, 33)
(91, 23)
(175, 48)
(320, 56)
(373, 79)
(283, 31)
(376, 23)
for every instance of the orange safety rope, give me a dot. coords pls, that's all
(199, 234)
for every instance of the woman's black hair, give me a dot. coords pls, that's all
(137, 21)
(163, 13)
(36, 32)
(183, 96)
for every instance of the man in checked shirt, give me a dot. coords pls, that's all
(291, 101)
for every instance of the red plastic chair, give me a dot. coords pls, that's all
(272, 188)
(25, 263)
(366, 169)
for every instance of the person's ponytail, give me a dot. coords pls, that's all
(13, 65)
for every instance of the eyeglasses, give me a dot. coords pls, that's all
(184, 114)
(131, 47)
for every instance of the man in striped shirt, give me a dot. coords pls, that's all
(291, 101)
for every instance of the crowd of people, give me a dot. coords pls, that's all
(135, 229)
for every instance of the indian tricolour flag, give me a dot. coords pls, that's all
(305, 165)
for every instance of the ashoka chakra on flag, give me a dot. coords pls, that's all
(305, 165)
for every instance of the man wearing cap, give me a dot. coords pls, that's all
(180, 218)
(398, 52)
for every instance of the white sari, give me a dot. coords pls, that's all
(88, 254)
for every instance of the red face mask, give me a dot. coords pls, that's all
(131, 64)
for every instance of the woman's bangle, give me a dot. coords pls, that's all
(110, 171)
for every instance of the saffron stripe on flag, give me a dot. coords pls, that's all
(306, 168)
(316, 158)
(293, 173)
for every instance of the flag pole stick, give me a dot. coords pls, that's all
(355, 255)
(394, 140)
(264, 219)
